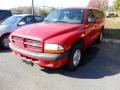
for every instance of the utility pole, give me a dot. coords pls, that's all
(32, 6)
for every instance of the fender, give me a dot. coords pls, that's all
(67, 39)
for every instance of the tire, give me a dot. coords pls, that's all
(75, 57)
(4, 41)
(99, 40)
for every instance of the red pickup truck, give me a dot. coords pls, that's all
(61, 39)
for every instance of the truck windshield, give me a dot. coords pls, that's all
(66, 16)
(11, 20)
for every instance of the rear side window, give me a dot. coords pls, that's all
(99, 14)
(38, 19)
(28, 20)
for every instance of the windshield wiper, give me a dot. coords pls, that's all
(61, 21)
(57, 21)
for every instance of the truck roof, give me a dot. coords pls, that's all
(82, 8)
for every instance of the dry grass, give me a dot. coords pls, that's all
(113, 23)
(112, 28)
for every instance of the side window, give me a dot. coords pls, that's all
(99, 14)
(38, 19)
(90, 14)
(90, 17)
(28, 20)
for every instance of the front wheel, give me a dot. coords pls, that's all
(75, 57)
(4, 41)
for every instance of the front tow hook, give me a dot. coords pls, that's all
(28, 62)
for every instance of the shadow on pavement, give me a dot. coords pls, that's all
(96, 64)
(5, 50)
(111, 33)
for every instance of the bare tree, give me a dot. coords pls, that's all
(102, 4)
(28, 10)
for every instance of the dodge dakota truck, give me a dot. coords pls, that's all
(61, 39)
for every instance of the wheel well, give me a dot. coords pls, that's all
(5, 34)
(80, 41)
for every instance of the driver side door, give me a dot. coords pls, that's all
(90, 28)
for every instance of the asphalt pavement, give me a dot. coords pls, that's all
(100, 70)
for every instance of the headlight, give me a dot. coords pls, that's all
(53, 48)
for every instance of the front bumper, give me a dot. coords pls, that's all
(42, 59)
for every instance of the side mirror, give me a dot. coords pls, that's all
(91, 20)
(21, 23)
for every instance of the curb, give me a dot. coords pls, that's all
(106, 40)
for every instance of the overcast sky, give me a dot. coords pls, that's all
(7, 4)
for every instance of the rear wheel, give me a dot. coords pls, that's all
(4, 41)
(100, 38)
(75, 57)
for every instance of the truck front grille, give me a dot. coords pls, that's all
(28, 44)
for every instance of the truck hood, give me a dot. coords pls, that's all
(45, 31)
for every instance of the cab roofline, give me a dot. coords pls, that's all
(82, 8)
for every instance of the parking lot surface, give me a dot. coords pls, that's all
(100, 70)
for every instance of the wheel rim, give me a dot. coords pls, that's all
(76, 57)
(6, 42)
(101, 36)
